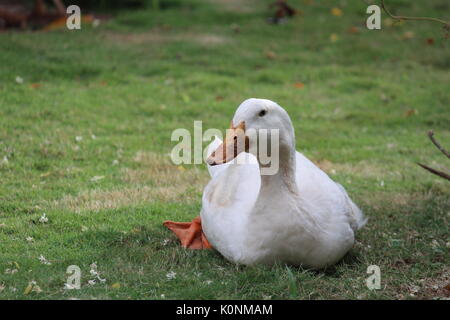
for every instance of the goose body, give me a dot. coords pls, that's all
(297, 216)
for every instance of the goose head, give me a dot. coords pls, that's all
(256, 122)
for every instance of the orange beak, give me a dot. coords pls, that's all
(235, 142)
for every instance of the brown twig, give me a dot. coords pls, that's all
(441, 149)
(436, 172)
(446, 23)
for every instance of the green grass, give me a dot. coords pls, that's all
(133, 80)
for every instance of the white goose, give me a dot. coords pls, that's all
(297, 216)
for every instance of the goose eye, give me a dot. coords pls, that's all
(262, 113)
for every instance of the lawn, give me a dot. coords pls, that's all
(86, 118)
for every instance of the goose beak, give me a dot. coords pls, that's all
(235, 142)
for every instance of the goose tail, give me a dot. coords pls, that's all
(357, 218)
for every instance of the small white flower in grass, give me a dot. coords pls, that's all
(13, 289)
(265, 297)
(84, 228)
(382, 183)
(19, 80)
(163, 296)
(165, 242)
(78, 138)
(11, 271)
(29, 239)
(97, 178)
(2, 287)
(208, 282)
(414, 289)
(115, 162)
(43, 218)
(43, 260)
(93, 272)
(34, 287)
(5, 160)
(220, 268)
(69, 286)
(171, 275)
(93, 136)
(435, 244)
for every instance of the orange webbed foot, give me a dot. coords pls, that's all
(190, 233)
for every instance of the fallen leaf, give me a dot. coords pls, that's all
(115, 285)
(181, 168)
(35, 85)
(430, 41)
(103, 83)
(219, 98)
(408, 35)
(299, 85)
(28, 289)
(334, 37)
(411, 112)
(353, 30)
(336, 12)
(271, 55)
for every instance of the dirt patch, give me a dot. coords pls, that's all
(157, 180)
(378, 199)
(159, 36)
(136, 38)
(428, 288)
(160, 171)
(363, 169)
(235, 5)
